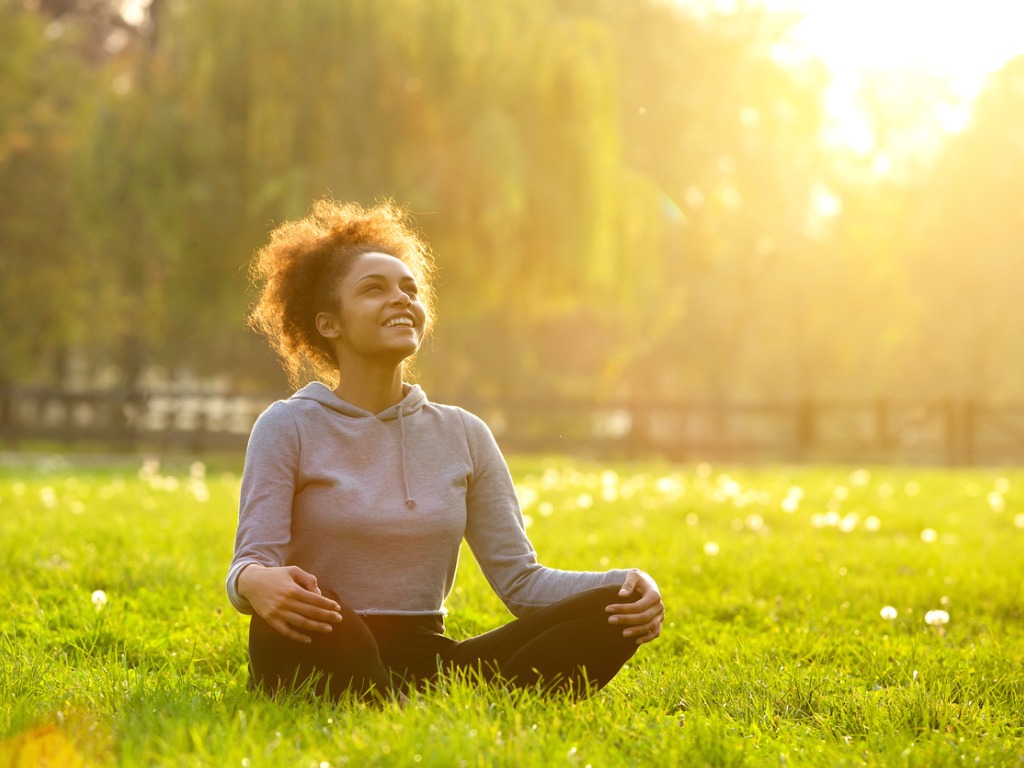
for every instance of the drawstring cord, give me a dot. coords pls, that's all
(410, 502)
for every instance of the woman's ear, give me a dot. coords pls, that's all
(327, 324)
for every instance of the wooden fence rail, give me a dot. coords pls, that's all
(948, 432)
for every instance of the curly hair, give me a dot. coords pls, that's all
(297, 273)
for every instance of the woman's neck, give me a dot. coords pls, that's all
(373, 390)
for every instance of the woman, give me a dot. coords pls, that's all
(355, 499)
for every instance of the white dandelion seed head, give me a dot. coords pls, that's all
(996, 502)
(711, 548)
(889, 613)
(860, 477)
(99, 598)
(929, 536)
(937, 618)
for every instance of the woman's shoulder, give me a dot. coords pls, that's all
(454, 419)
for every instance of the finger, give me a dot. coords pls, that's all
(283, 628)
(645, 633)
(306, 615)
(652, 635)
(306, 580)
(300, 621)
(645, 603)
(637, 619)
(629, 584)
(314, 599)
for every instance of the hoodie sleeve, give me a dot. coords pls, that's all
(497, 536)
(265, 507)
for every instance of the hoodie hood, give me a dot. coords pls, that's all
(413, 401)
(319, 392)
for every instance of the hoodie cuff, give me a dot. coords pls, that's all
(240, 603)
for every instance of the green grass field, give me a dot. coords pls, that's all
(775, 650)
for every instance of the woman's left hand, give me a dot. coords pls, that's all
(643, 617)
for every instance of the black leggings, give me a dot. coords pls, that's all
(568, 646)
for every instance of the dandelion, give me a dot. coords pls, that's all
(889, 613)
(669, 485)
(150, 468)
(755, 522)
(860, 477)
(937, 618)
(996, 502)
(929, 536)
(99, 599)
(48, 496)
(711, 548)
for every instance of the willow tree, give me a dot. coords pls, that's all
(497, 126)
(48, 290)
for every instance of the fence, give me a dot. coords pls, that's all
(872, 431)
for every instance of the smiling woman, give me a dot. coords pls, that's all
(356, 499)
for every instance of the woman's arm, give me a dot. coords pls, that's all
(259, 580)
(497, 536)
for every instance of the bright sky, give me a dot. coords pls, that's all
(959, 40)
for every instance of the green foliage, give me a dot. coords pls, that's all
(774, 650)
(45, 280)
(625, 198)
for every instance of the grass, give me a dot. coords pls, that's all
(775, 651)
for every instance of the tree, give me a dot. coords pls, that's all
(48, 287)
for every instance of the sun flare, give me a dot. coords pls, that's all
(947, 46)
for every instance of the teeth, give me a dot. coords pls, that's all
(399, 321)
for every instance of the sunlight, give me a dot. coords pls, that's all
(956, 43)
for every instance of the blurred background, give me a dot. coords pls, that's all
(703, 228)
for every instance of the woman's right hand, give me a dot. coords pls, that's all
(288, 599)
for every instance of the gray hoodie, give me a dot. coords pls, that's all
(376, 506)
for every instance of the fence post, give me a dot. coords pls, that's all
(805, 427)
(7, 430)
(970, 424)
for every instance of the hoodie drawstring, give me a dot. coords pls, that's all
(410, 502)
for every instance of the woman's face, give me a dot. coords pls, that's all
(379, 314)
